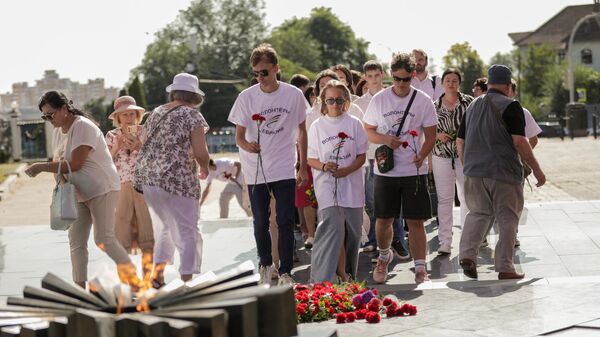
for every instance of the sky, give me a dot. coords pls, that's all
(84, 40)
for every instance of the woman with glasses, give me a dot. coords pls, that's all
(96, 182)
(447, 169)
(337, 144)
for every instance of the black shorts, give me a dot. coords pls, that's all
(393, 194)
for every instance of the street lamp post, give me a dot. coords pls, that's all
(570, 49)
(15, 131)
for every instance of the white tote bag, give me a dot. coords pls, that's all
(63, 210)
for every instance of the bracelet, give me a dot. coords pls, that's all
(323, 168)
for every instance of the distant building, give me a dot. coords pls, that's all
(556, 32)
(28, 97)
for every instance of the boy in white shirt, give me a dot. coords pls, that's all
(269, 119)
(402, 107)
(229, 171)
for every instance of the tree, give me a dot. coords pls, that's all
(99, 112)
(136, 90)
(508, 59)
(211, 39)
(320, 41)
(538, 62)
(465, 59)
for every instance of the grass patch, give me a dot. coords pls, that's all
(6, 169)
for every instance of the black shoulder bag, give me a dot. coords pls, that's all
(384, 155)
(150, 134)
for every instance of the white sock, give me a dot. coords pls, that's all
(384, 254)
(420, 264)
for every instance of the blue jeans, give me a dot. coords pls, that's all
(398, 225)
(283, 191)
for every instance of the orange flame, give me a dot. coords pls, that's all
(143, 306)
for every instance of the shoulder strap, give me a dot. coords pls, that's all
(433, 78)
(496, 111)
(412, 98)
(151, 133)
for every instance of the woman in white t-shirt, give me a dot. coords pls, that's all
(337, 144)
(96, 182)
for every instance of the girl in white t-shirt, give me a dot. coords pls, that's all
(337, 144)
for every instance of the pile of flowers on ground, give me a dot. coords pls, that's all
(346, 302)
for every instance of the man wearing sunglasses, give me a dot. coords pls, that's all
(277, 110)
(404, 187)
(431, 85)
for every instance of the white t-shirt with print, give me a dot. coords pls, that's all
(323, 144)
(386, 111)
(426, 86)
(532, 129)
(284, 109)
(314, 113)
(98, 175)
(225, 169)
(363, 103)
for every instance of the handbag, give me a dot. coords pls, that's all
(63, 209)
(384, 155)
(136, 187)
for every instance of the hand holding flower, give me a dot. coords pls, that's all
(341, 172)
(418, 161)
(331, 166)
(392, 142)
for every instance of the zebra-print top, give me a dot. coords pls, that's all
(449, 122)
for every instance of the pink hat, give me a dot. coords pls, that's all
(125, 103)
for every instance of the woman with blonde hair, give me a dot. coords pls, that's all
(337, 143)
(133, 226)
(167, 172)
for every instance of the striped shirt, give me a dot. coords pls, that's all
(449, 122)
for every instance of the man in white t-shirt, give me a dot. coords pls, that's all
(270, 119)
(229, 171)
(402, 107)
(373, 74)
(431, 85)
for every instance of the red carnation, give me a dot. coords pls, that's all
(331, 310)
(342, 135)
(387, 301)
(301, 309)
(392, 310)
(340, 318)
(350, 317)
(375, 291)
(374, 305)
(372, 317)
(361, 313)
(413, 133)
(405, 144)
(258, 118)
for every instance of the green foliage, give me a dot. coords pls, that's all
(123, 92)
(320, 41)
(289, 68)
(466, 59)
(508, 59)
(537, 62)
(211, 39)
(136, 90)
(99, 112)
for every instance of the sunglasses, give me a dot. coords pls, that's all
(49, 116)
(262, 73)
(332, 101)
(402, 79)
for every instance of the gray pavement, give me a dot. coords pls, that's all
(559, 253)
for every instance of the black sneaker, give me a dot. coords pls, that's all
(399, 250)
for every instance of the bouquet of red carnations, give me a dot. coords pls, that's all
(346, 302)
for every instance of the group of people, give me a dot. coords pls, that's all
(326, 146)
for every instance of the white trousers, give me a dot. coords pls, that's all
(175, 225)
(445, 178)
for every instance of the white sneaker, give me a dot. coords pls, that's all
(265, 274)
(444, 249)
(285, 279)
